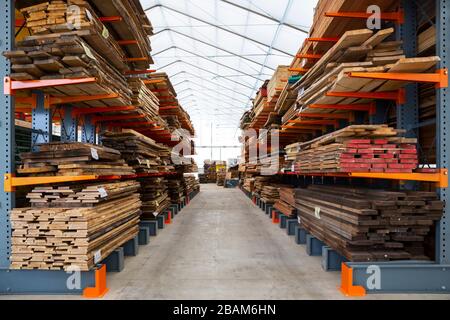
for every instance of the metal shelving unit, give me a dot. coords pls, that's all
(44, 108)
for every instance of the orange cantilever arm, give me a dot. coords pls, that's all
(303, 70)
(314, 122)
(127, 42)
(368, 107)
(117, 118)
(111, 19)
(155, 81)
(339, 116)
(309, 56)
(440, 78)
(398, 95)
(322, 39)
(12, 85)
(131, 72)
(131, 124)
(10, 181)
(62, 100)
(83, 111)
(398, 17)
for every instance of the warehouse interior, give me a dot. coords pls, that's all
(224, 150)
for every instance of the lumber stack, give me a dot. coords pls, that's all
(176, 190)
(270, 194)
(260, 182)
(62, 16)
(356, 51)
(249, 184)
(155, 197)
(63, 238)
(140, 152)
(145, 100)
(359, 148)
(73, 159)
(286, 203)
(190, 183)
(67, 57)
(370, 225)
(80, 195)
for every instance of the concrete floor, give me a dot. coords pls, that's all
(223, 247)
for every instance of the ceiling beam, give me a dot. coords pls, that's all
(219, 27)
(208, 44)
(266, 16)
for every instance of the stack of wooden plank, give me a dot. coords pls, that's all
(140, 152)
(270, 194)
(190, 183)
(357, 51)
(370, 225)
(359, 148)
(50, 57)
(176, 189)
(145, 100)
(80, 195)
(62, 238)
(249, 184)
(260, 182)
(155, 197)
(62, 16)
(286, 203)
(73, 159)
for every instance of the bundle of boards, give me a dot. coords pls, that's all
(80, 195)
(190, 183)
(62, 238)
(286, 203)
(140, 152)
(176, 189)
(60, 16)
(332, 80)
(69, 56)
(73, 159)
(369, 224)
(358, 148)
(155, 197)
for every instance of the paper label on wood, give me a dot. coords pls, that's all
(89, 15)
(317, 212)
(88, 51)
(98, 256)
(148, 163)
(105, 32)
(155, 214)
(102, 192)
(94, 154)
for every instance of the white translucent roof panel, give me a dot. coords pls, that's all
(219, 52)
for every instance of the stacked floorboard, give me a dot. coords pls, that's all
(370, 225)
(80, 195)
(73, 159)
(155, 197)
(72, 235)
(286, 203)
(176, 189)
(140, 152)
(359, 148)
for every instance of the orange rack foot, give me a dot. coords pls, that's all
(100, 288)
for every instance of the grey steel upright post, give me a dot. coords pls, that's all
(7, 127)
(442, 126)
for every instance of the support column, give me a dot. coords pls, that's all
(408, 114)
(89, 131)
(7, 132)
(69, 130)
(442, 127)
(41, 123)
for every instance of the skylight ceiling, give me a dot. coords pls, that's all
(218, 54)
